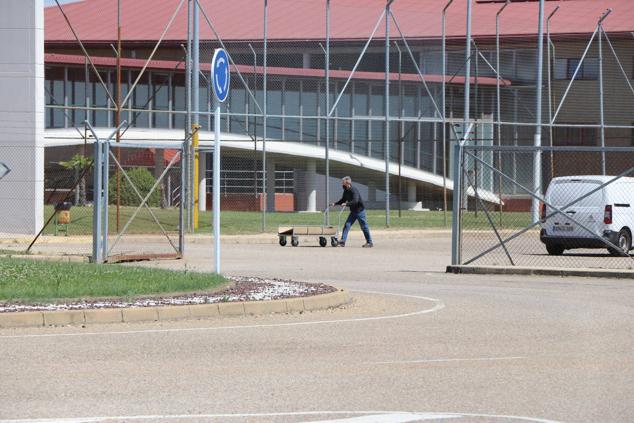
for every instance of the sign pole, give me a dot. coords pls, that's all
(220, 77)
(216, 188)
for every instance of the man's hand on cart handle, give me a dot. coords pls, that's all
(335, 204)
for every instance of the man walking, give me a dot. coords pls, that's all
(352, 198)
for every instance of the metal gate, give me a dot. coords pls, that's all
(135, 215)
(507, 216)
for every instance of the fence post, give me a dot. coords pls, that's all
(537, 157)
(186, 191)
(97, 252)
(327, 66)
(387, 112)
(456, 258)
(195, 85)
(105, 176)
(265, 117)
(601, 90)
(444, 108)
(499, 98)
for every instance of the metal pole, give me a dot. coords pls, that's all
(476, 110)
(105, 151)
(97, 228)
(265, 111)
(444, 109)
(216, 199)
(457, 171)
(195, 71)
(499, 98)
(327, 67)
(467, 79)
(387, 112)
(400, 131)
(537, 158)
(601, 90)
(195, 110)
(117, 120)
(255, 125)
(186, 193)
(196, 153)
(549, 65)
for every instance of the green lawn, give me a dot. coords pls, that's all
(35, 281)
(233, 223)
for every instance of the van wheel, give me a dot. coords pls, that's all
(554, 249)
(624, 241)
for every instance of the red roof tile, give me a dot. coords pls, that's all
(304, 20)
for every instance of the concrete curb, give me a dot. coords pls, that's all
(153, 314)
(532, 271)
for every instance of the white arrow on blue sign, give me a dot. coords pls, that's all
(220, 74)
(4, 170)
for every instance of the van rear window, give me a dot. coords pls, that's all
(563, 193)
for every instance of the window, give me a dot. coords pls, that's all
(589, 71)
(54, 94)
(160, 90)
(575, 136)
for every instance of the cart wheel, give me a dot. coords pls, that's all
(334, 242)
(323, 241)
(283, 241)
(294, 241)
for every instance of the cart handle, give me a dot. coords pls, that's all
(339, 214)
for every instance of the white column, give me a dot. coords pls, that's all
(311, 186)
(22, 115)
(411, 192)
(270, 184)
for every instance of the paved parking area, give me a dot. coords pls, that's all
(416, 345)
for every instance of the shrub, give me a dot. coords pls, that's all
(142, 180)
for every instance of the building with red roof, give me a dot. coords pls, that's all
(296, 34)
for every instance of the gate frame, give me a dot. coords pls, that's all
(463, 151)
(102, 252)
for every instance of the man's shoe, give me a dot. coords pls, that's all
(342, 243)
(367, 245)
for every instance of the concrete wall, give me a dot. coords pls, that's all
(22, 115)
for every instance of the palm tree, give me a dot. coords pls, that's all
(79, 163)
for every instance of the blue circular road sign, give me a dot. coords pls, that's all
(220, 74)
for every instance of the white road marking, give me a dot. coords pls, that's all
(438, 305)
(255, 415)
(391, 418)
(448, 360)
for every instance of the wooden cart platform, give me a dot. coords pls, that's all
(321, 231)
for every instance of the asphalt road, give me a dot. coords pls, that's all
(416, 345)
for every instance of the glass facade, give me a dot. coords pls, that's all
(296, 110)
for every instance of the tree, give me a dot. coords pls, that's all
(142, 180)
(79, 163)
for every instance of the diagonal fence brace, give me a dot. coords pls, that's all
(556, 210)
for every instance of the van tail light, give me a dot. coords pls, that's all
(607, 215)
(542, 212)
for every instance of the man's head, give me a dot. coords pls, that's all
(346, 182)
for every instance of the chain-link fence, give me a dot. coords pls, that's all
(68, 211)
(321, 90)
(585, 218)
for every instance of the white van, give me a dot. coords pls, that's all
(608, 213)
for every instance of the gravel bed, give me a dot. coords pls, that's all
(243, 289)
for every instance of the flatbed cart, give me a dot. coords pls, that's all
(322, 231)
